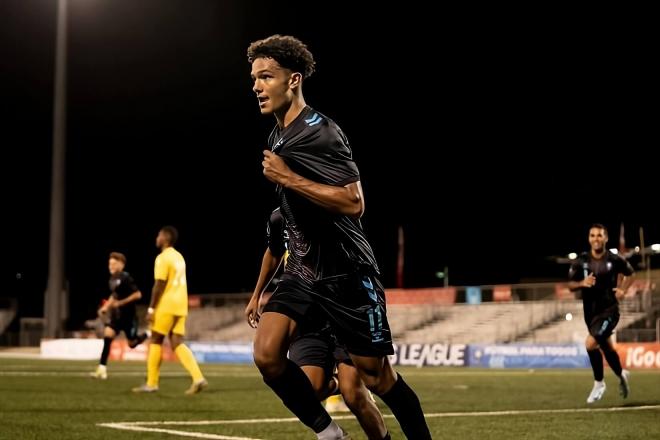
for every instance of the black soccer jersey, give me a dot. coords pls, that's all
(321, 244)
(277, 234)
(121, 286)
(601, 296)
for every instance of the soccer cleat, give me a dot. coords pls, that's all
(139, 340)
(597, 392)
(100, 373)
(196, 387)
(145, 389)
(335, 404)
(624, 383)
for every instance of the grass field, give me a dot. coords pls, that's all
(56, 400)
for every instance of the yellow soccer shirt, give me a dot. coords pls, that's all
(171, 267)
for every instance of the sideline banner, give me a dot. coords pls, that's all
(638, 354)
(528, 356)
(436, 355)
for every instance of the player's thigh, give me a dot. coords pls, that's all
(602, 326)
(273, 335)
(163, 323)
(179, 326)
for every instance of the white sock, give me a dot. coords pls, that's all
(332, 432)
(101, 367)
(600, 383)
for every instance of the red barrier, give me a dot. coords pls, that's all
(432, 295)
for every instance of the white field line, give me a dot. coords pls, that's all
(147, 426)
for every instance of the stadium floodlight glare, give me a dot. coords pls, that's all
(655, 247)
(614, 251)
(572, 256)
(440, 275)
(637, 249)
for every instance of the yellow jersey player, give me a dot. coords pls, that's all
(167, 313)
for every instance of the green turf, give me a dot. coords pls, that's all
(55, 400)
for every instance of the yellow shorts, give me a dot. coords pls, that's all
(164, 323)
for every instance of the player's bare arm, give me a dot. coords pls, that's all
(589, 281)
(622, 288)
(135, 296)
(347, 200)
(269, 265)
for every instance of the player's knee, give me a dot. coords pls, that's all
(591, 343)
(269, 363)
(157, 338)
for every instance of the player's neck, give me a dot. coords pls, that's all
(291, 113)
(598, 254)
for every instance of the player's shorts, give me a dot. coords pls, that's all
(602, 325)
(164, 323)
(317, 346)
(126, 323)
(354, 304)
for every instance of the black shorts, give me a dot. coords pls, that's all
(353, 304)
(126, 323)
(602, 325)
(316, 345)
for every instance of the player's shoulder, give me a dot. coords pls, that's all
(125, 276)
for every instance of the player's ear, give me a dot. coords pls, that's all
(295, 80)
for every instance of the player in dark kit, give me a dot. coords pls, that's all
(331, 270)
(119, 311)
(313, 347)
(603, 278)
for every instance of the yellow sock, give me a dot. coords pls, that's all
(153, 364)
(188, 361)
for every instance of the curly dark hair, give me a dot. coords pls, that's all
(288, 51)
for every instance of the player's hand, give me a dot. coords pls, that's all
(275, 169)
(589, 281)
(251, 313)
(150, 317)
(619, 292)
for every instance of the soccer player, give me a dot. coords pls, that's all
(167, 314)
(119, 310)
(603, 278)
(313, 347)
(331, 269)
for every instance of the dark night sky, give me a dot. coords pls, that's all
(485, 136)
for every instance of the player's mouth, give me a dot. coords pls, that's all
(262, 100)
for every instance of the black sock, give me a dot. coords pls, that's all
(612, 358)
(297, 394)
(405, 406)
(596, 359)
(106, 350)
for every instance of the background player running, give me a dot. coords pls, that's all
(118, 311)
(603, 278)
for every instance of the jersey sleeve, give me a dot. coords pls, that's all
(161, 268)
(624, 267)
(323, 154)
(130, 282)
(575, 272)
